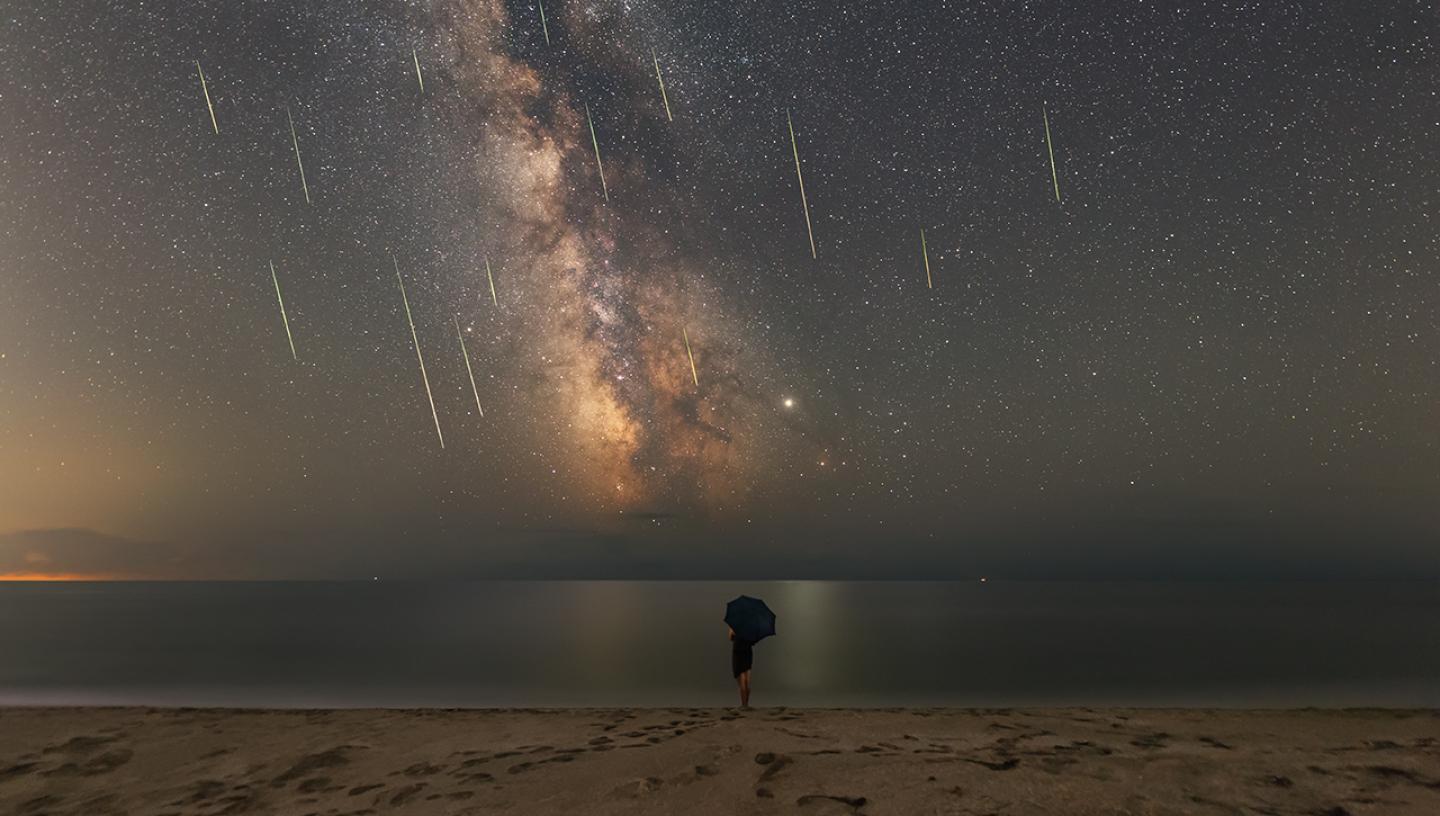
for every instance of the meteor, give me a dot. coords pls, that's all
(283, 318)
(1051, 150)
(693, 373)
(473, 389)
(663, 97)
(491, 279)
(801, 178)
(206, 88)
(418, 78)
(543, 26)
(596, 142)
(296, 142)
(416, 340)
(926, 254)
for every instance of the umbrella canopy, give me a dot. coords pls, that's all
(751, 619)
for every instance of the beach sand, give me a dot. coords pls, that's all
(719, 761)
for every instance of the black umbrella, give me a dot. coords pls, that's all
(751, 619)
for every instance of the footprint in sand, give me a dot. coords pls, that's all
(1151, 741)
(20, 769)
(202, 791)
(81, 745)
(333, 758)
(638, 788)
(1006, 765)
(319, 784)
(102, 764)
(821, 803)
(774, 764)
(406, 793)
(420, 769)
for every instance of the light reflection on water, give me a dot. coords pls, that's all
(663, 643)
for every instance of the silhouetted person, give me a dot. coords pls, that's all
(742, 657)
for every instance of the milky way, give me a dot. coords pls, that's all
(596, 301)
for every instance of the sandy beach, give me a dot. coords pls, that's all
(718, 761)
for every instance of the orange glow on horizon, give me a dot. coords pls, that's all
(57, 576)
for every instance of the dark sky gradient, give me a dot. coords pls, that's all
(1216, 355)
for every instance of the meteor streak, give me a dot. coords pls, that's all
(418, 78)
(596, 142)
(801, 178)
(416, 340)
(206, 88)
(543, 26)
(1051, 150)
(473, 389)
(926, 254)
(693, 373)
(663, 97)
(296, 142)
(491, 279)
(283, 318)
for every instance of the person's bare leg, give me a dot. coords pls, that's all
(745, 689)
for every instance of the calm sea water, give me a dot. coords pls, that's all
(663, 643)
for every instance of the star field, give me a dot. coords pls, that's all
(1218, 347)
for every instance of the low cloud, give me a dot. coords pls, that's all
(79, 553)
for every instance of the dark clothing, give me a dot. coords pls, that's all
(742, 656)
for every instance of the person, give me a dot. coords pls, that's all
(742, 657)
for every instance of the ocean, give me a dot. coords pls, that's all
(635, 643)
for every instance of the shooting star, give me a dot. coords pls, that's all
(925, 253)
(543, 25)
(693, 373)
(418, 77)
(803, 202)
(491, 278)
(206, 88)
(663, 97)
(283, 318)
(596, 142)
(296, 142)
(473, 389)
(1051, 150)
(416, 340)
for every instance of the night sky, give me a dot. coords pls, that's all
(1216, 354)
